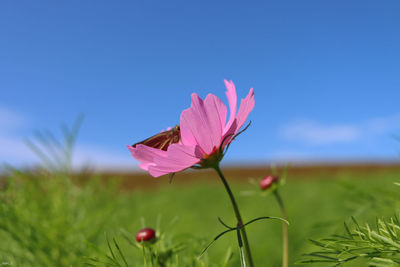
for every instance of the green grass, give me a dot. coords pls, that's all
(46, 220)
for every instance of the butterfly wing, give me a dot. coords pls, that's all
(163, 140)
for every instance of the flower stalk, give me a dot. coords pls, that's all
(285, 249)
(238, 216)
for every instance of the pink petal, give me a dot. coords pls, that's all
(246, 106)
(145, 166)
(229, 133)
(200, 123)
(179, 157)
(215, 106)
(232, 100)
(187, 136)
(146, 155)
(156, 172)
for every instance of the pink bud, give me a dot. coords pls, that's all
(267, 181)
(146, 234)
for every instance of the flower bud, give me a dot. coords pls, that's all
(146, 235)
(267, 181)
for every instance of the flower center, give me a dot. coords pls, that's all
(211, 160)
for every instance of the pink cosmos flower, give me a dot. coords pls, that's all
(205, 132)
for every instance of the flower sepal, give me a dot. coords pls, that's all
(211, 161)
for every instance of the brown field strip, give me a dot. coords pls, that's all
(140, 179)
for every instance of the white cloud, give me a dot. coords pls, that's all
(383, 124)
(314, 133)
(12, 147)
(317, 134)
(104, 159)
(10, 120)
(14, 150)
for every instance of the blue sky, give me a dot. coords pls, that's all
(325, 74)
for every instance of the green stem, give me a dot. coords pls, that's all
(238, 216)
(285, 254)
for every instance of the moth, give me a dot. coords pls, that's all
(163, 140)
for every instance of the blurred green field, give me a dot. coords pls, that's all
(52, 220)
